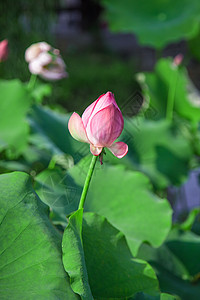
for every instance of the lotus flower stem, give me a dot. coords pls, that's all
(87, 181)
(171, 96)
(32, 81)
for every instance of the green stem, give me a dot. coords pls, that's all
(32, 81)
(171, 96)
(87, 181)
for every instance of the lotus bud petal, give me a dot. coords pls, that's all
(119, 149)
(3, 50)
(76, 128)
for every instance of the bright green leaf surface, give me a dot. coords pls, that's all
(112, 271)
(30, 247)
(73, 256)
(157, 22)
(14, 104)
(127, 200)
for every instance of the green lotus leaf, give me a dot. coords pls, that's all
(156, 23)
(14, 105)
(30, 249)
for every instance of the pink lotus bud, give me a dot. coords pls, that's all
(101, 124)
(45, 61)
(3, 50)
(178, 59)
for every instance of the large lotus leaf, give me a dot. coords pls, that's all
(30, 248)
(156, 86)
(176, 263)
(126, 199)
(112, 271)
(14, 104)
(50, 132)
(156, 23)
(157, 149)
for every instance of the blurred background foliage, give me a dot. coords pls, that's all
(127, 47)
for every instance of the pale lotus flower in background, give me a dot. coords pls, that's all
(3, 50)
(45, 61)
(35, 49)
(101, 124)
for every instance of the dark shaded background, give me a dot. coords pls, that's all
(97, 59)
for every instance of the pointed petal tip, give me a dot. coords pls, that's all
(109, 94)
